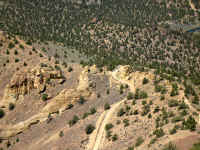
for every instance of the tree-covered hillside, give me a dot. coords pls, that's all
(115, 32)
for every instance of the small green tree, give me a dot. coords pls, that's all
(109, 126)
(106, 106)
(145, 81)
(11, 106)
(92, 111)
(89, 129)
(170, 146)
(139, 141)
(190, 124)
(130, 96)
(81, 100)
(121, 112)
(74, 120)
(44, 97)
(2, 113)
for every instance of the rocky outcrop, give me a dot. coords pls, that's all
(24, 81)
(57, 104)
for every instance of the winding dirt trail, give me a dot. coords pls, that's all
(97, 137)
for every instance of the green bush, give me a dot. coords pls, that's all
(85, 115)
(183, 105)
(70, 106)
(153, 141)
(16, 52)
(159, 133)
(177, 119)
(174, 91)
(130, 96)
(106, 106)
(130, 148)
(190, 124)
(173, 103)
(144, 102)
(44, 97)
(89, 129)
(139, 141)
(11, 106)
(74, 120)
(21, 46)
(173, 131)
(81, 100)
(143, 95)
(16, 60)
(146, 110)
(114, 137)
(196, 146)
(108, 91)
(108, 134)
(157, 109)
(170, 146)
(109, 126)
(145, 81)
(195, 100)
(121, 112)
(61, 134)
(11, 45)
(126, 122)
(70, 69)
(2, 113)
(92, 111)
(136, 112)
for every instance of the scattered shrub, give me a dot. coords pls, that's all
(109, 126)
(121, 112)
(85, 115)
(81, 100)
(114, 137)
(61, 134)
(44, 97)
(108, 91)
(16, 52)
(2, 113)
(196, 146)
(190, 124)
(74, 120)
(173, 103)
(145, 81)
(11, 45)
(11, 106)
(106, 106)
(170, 146)
(177, 119)
(92, 111)
(159, 133)
(130, 96)
(173, 131)
(70, 106)
(139, 141)
(16, 60)
(89, 129)
(70, 69)
(126, 122)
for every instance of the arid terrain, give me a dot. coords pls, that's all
(93, 75)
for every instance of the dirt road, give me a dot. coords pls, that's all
(97, 137)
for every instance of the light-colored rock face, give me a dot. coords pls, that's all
(24, 81)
